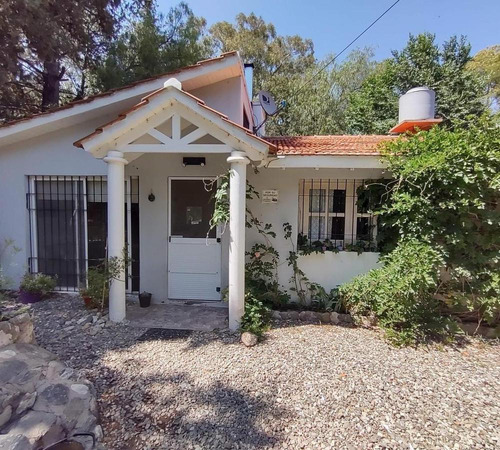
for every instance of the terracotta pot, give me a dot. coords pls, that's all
(87, 301)
(29, 297)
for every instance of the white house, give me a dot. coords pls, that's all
(129, 168)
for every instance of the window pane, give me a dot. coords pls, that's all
(59, 225)
(363, 229)
(316, 228)
(363, 201)
(317, 200)
(336, 201)
(337, 228)
(192, 209)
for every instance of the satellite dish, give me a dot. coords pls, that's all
(266, 100)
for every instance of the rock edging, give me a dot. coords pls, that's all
(334, 318)
(18, 328)
(41, 400)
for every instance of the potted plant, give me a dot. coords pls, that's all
(99, 278)
(96, 294)
(145, 299)
(35, 286)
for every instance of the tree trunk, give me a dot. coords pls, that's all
(52, 75)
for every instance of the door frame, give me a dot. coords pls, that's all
(169, 221)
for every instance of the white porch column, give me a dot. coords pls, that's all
(237, 206)
(116, 230)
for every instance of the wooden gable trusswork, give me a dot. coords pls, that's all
(173, 121)
(178, 134)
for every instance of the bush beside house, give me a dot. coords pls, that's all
(442, 209)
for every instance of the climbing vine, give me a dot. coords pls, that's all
(263, 260)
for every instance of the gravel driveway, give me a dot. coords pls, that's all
(305, 387)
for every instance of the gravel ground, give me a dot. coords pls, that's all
(304, 387)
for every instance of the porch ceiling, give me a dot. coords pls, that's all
(172, 121)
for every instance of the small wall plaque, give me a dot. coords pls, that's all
(269, 196)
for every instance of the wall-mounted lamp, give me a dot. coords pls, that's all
(193, 161)
(151, 197)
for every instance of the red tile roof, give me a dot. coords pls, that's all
(358, 145)
(91, 98)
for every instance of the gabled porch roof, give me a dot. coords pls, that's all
(171, 120)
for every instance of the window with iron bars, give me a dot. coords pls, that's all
(68, 227)
(332, 218)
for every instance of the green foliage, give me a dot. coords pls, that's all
(220, 217)
(317, 101)
(261, 269)
(401, 294)
(459, 90)
(43, 43)
(445, 193)
(285, 65)
(258, 42)
(301, 285)
(326, 301)
(37, 283)
(487, 64)
(373, 109)
(153, 44)
(256, 317)
(99, 279)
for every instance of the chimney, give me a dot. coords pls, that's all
(249, 79)
(416, 110)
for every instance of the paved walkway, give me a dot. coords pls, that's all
(179, 316)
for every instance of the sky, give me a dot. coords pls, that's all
(333, 24)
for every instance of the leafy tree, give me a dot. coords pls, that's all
(258, 42)
(487, 63)
(37, 42)
(316, 100)
(151, 45)
(459, 90)
(374, 108)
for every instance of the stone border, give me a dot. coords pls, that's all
(18, 328)
(313, 316)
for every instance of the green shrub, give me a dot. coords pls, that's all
(97, 290)
(401, 294)
(37, 283)
(257, 316)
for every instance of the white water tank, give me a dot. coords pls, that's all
(417, 104)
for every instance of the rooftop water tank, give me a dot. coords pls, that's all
(417, 104)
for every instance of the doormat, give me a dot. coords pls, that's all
(160, 334)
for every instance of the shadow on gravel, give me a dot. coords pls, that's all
(181, 414)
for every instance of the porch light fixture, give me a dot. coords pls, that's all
(151, 196)
(193, 161)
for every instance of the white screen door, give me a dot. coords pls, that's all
(194, 261)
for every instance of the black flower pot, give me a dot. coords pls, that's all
(145, 299)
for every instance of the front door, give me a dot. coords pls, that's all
(194, 252)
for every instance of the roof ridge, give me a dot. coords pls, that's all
(109, 92)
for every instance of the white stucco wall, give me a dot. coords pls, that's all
(225, 97)
(54, 154)
(329, 269)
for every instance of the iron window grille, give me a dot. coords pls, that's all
(332, 218)
(68, 227)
